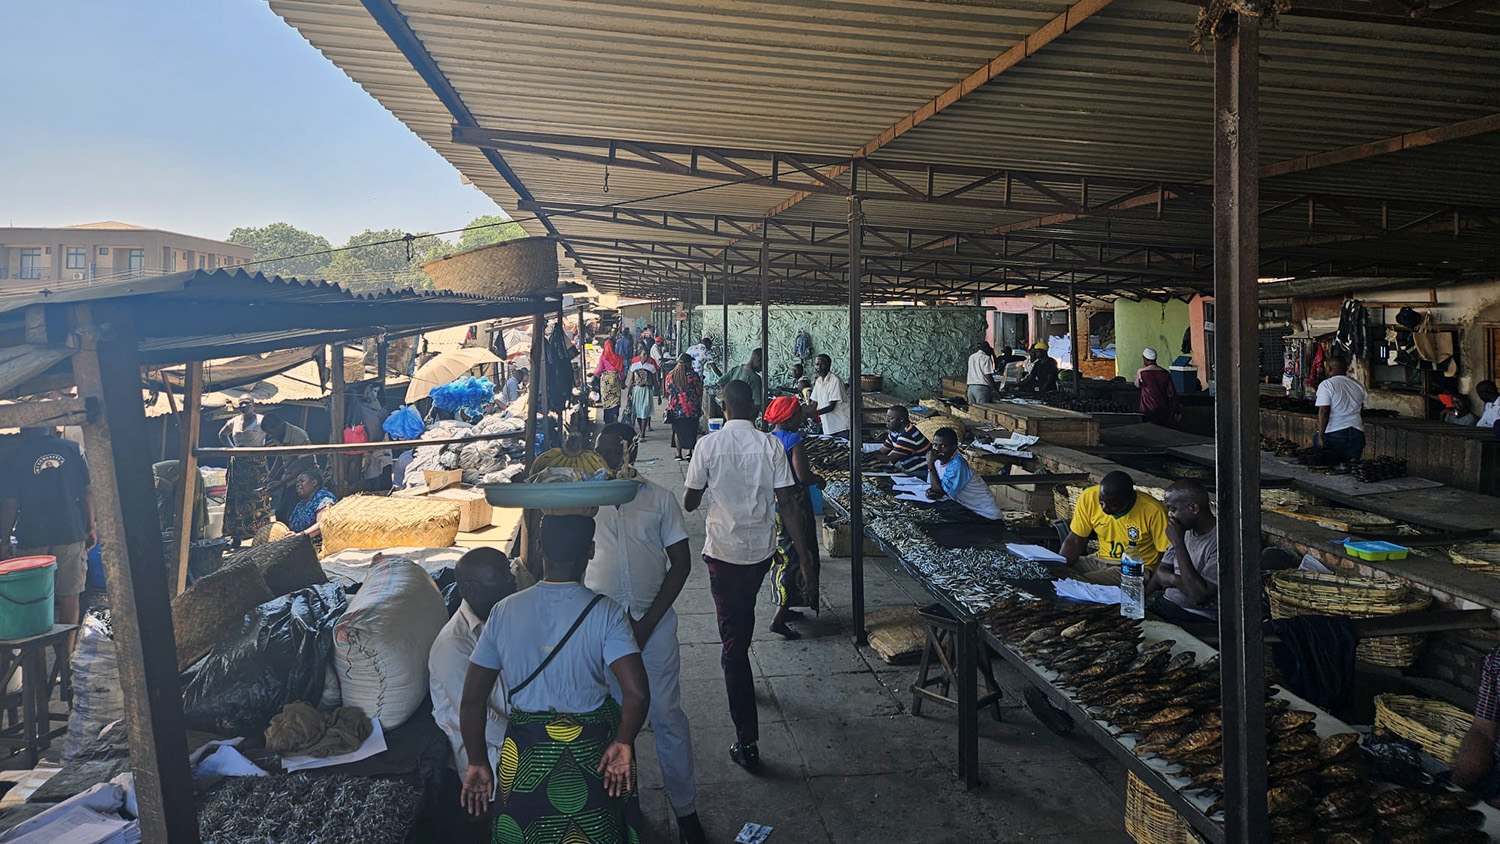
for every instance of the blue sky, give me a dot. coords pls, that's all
(198, 116)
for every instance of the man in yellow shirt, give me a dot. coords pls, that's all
(1119, 516)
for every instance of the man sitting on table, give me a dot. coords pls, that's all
(1042, 378)
(905, 445)
(1121, 518)
(1185, 588)
(951, 477)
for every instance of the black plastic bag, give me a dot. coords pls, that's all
(1398, 761)
(278, 655)
(446, 579)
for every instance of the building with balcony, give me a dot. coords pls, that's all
(43, 257)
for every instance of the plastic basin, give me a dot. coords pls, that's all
(27, 597)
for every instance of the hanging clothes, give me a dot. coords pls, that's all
(1353, 335)
(559, 363)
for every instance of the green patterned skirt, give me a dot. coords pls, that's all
(551, 791)
(788, 588)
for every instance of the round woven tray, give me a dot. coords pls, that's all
(1436, 726)
(1476, 555)
(524, 267)
(1294, 593)
(1149, 819)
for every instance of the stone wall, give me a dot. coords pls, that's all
(911, 346)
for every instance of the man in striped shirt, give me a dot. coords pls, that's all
(905, 446)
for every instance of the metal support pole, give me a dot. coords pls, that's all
(1236, 417)
(765, 318)
(188, 478)
(336, 413)
(724, 305)
(108, 370)
(1073, 339)
(583, 377)
(967, 665)
(856, 431)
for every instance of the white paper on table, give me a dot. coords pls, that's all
(1005, 450)
(1017, 441)
(914, 496)
(81, 825)
(226, 761)
(1094, 593)
(910, 482)
(373, 745)
(869, 447)
(1034, 552)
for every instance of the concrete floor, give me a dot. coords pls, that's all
(843, 758)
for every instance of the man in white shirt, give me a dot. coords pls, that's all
(750, 481)
(484, 579)
(1339, 401)
(981, 378)
(641, 561)
(1488, 394)
(830, 405)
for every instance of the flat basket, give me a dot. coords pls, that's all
(524, 267)
(1149, 819)
(1065, 500)
(1294, 593)
(373, 523)
(1481, 556)
(1436, 726)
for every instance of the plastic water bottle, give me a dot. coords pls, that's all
(1132, 585)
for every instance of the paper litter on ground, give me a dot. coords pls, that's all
(753, 833)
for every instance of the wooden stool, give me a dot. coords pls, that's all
(942, 640)
(33, 732)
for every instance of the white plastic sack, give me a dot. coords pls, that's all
(380, 646)
(97, 697)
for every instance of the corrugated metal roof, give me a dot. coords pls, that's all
(1118, 93)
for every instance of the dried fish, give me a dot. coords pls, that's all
(1343, 802)
(1337, 745)
(1398, 801)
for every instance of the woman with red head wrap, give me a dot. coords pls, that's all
(788, 587)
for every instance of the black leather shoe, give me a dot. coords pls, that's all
(690, 831)
(747, 756)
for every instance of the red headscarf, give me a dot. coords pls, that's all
(781, 409)
(609, 359)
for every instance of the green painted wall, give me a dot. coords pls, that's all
(911, 346)
(1148, 323)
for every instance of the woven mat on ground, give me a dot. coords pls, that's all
(896, 633)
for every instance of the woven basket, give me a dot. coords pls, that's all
(987, 464)
(524, 267)
(285, 565)
(1483, 556)
(272, 531)
(1294, 593)
(371, 523)
(930, 426)
(1289, 499)
(1065, 500)
(1437, 726)
(896, 633)
(1149, 819)
(212, 607)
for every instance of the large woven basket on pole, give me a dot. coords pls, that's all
(1294, 593)
(525, 267)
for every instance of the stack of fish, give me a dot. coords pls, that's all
(1320, 790)
(971, 576)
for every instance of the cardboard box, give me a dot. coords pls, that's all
(440, 478)
(474, 512)
(836, 542)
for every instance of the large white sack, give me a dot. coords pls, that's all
(380, 646)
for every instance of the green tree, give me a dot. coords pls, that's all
(279, 239)
(481, 231)
(378, 265)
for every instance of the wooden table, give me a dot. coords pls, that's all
(33, 732)
(1053, 425)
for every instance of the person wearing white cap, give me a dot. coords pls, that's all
(1158, 396)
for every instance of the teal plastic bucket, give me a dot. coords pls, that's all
(27, 596)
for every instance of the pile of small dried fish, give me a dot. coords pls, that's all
(972, 576)
(1378, 469)
(1320, 789)
(829, 455)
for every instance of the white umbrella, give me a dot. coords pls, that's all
(444, 368)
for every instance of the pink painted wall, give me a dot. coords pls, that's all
(1005, 305)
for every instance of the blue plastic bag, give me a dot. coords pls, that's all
(403, 424)
(468, 394)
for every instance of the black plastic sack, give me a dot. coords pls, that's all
(446, 579)
(1398, 761)
(279, 654)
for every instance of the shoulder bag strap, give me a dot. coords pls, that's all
(577, 622)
